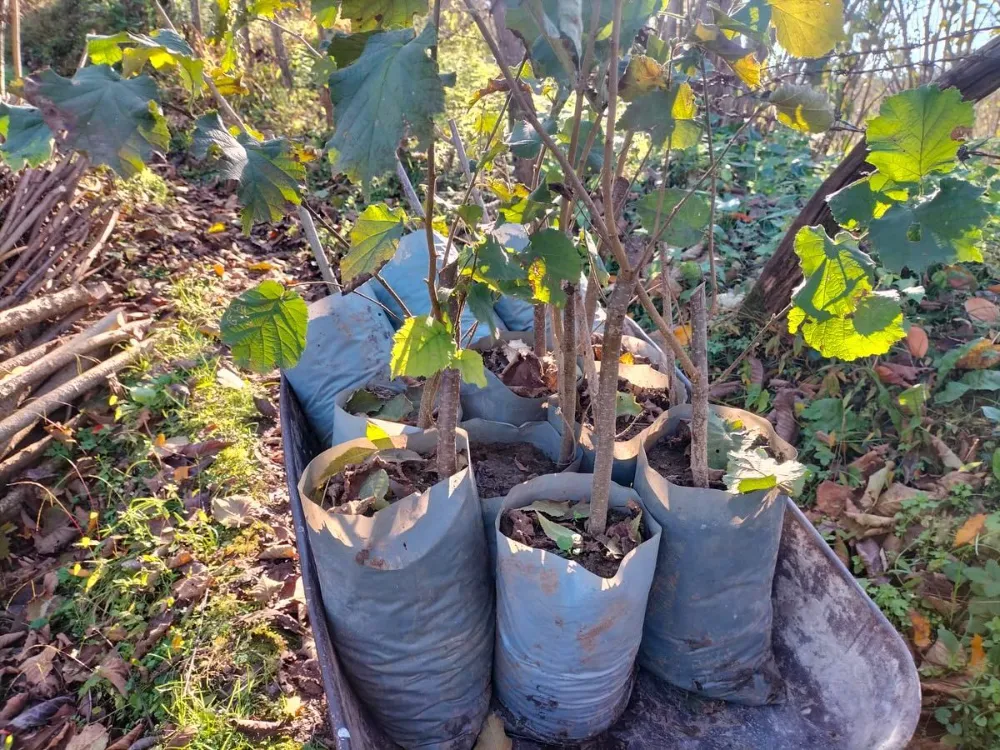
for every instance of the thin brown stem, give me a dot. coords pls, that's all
(713, 191)
(699, 397)
(567, 367)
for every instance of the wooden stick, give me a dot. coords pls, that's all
(317, 248)
(41, 407)
(51, 306)
(64, 355)
(463, 159)
(28, 456)
(95, 248)
(26, 357)
(110, 322)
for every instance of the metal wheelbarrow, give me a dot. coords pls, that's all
(851, 681)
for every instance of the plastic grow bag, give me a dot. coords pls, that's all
(496, 402)
(342, 328)
(408, 596)
(406, 273)
(542, 435)
(567, 638)
(708, 628)
(849, 675)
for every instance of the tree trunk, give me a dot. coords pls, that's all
(196, 15)
(282, 56)
(447, 459)
(976, 77)
(567, 367)
(699, 387)
(15, 36)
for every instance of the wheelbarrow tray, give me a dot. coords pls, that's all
(851, 682)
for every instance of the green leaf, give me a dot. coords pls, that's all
(726, 437)
(944, 229)
(396, 408)
(114, 121)
(363, 401)
(626, 405)
(553, 508)
(992, 413)
(687, 227)
(565, 539)
(163, 48)
(267, 8)
(422, 347)
(392, 87)
(838, 336)
(555, 19)
(471, 214)
(375, 485)
(912, 136)
(876, 313)
(753, 470)
(802, 108)
(869, 198)
(266, 171)
(266, 327)
(996, 463)
(808, 28)
(366, 15)
(492, 264)
(374, 239)
(324, 12)
(977, 380)
(635, 14)
(551, 258)
(346, 48)
(666, 114)
(836, 274)
(480, 302)
(914, 398)
(27, 139)
(469, 364)
(524, 140)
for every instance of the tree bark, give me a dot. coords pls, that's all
(282, 56)
(15, 36)
(447, 458)
(567, 366)
(196, 15)
(976, 77)
(699, 396)
(50, 306)
(604, 410)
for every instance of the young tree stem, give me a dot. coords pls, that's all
(447, 458)
(699, 397)
(567, 368)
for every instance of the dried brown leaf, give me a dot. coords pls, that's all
(917, 342)
(970, 529)
(921, 629)
(982, 310)
(116, 671)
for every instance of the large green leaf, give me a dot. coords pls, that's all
(551, 258)
(469, 364)
(912, 136)
(26, 137)
(422, 347)
(394, 84)
(374, 240)
(664, 113)
(266, 327)
(944, 229)
(480, 301)
(687, 227)
(492, 264)
(840, 337)
(346, 48)
(325, 12)
(808, 28)
(802, 108)
(267, 173)
(366, 15)
(163, 48)
(869, 198)
(556, 19)
(114, 121)
(836, 273)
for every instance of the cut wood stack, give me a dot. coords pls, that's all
(51, 236)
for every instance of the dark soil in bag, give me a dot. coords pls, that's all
(652, 401)
(384, 403)
(600, 555)
(379, 480)
(500, 466)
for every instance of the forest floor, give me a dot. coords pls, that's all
(158, 589)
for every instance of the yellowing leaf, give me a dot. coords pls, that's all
(683, 334)
(261, 266)
(216, 228)
(982, 355)
(808, 28)
(748, 70)
(802, 108)
(921, 629)
(643, 74)
(977, 654)
(627, 358)
(970, 529)
(291, 706)
(220, 270)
